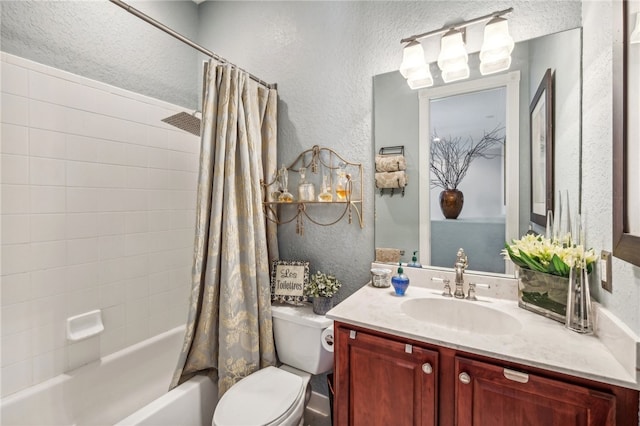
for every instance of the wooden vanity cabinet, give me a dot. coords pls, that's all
(487, 394)
(379, 380)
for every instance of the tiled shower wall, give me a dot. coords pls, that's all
(98, 212)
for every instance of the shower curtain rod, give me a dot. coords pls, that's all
(185, 40)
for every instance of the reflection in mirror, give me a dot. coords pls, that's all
(473, 109)
(399, 119)
(461, 122)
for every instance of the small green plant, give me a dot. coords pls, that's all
(322, 285)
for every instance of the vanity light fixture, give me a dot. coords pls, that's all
(495, 54)
(412, 57)
(635, 35)
(453, 56)
(420, 77)
(414, 68)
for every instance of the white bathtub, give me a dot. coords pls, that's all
(128, 387)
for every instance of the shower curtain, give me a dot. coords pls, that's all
(229, 331)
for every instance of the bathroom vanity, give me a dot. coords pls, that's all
(424, 359)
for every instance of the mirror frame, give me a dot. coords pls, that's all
(544, 92)
(626, 246)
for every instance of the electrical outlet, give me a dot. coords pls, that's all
(605, 271)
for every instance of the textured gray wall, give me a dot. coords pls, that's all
(323, 56)
(597, 161)
(101, 41)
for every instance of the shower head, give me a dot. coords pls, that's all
(183, 121)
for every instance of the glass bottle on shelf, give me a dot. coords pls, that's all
(343, 189)
(283, 178)
(275, 194)
(306, 190)
(325, 190)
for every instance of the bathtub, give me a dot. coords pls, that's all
(128, 387)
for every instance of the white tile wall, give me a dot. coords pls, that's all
(98, 212)
(15, 139)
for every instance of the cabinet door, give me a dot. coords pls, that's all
(384, 382)
(489, 395)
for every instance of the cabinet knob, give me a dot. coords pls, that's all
(465, 378)
(426, 367)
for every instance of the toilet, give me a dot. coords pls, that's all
(278, 396)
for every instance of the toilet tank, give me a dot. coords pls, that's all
(297, 332)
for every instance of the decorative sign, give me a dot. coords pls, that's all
(288, 280)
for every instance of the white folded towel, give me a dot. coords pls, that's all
(385, 180)
(388, 254)
(390, 163)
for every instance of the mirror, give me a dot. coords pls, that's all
(403, 117)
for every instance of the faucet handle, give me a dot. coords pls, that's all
(471, 294)
(447, 289)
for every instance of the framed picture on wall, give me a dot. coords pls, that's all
(289, 278)
(541, 143)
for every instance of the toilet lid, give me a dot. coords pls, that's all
(259, 398)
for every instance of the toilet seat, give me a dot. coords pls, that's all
(262, 398)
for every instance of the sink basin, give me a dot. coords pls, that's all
(461, 315)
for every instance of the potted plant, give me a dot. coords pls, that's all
(544, 266)
(449, 162)
(322, 287)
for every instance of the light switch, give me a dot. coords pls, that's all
(605, 271)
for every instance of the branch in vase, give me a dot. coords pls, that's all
(451, 158)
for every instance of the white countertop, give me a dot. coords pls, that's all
(540, 342)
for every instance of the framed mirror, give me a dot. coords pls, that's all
(400, 221)
(626, 130)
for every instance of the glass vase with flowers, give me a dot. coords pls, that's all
(544, 269)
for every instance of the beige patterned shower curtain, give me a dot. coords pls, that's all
(229, 330)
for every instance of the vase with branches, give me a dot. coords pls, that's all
(449, 163)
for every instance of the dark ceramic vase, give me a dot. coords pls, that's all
(451, 201)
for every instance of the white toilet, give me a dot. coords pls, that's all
(277, 396)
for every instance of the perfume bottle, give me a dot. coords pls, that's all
(343, 189)
(325, 190)
(306, 190)
(283, 178)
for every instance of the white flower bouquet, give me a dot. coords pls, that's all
(549, 256)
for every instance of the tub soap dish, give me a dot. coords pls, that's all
(84, 325)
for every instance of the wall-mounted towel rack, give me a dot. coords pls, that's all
(391, 167)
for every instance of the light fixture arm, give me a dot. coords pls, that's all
(463, 24)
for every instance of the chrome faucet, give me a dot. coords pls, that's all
(460, 266)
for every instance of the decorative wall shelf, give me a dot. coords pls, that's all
(318, 166)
